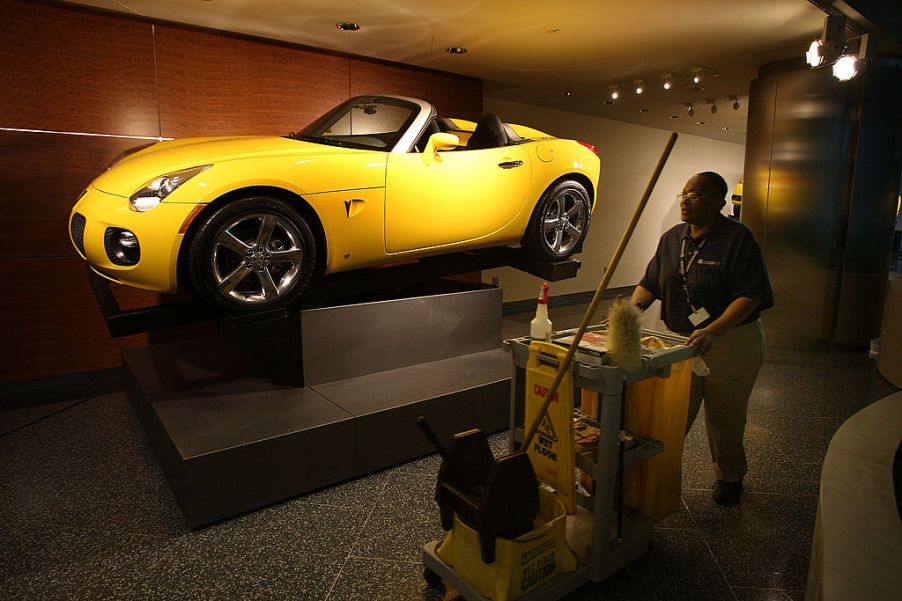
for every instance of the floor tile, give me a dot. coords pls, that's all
(763, 543)
(364, 578)
(681, 567)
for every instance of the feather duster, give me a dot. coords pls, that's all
(624, 333)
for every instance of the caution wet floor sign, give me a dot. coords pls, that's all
(551, 451)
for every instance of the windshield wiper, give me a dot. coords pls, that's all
(323, 140)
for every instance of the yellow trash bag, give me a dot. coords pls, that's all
(521, 564)
(657, 408)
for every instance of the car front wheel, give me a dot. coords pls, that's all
(559, 222)
(253, 254)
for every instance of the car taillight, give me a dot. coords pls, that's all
(590, 147)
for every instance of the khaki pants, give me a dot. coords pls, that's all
(734, 360)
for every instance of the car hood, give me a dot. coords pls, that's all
(135, 170)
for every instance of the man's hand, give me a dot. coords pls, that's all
(701, 338)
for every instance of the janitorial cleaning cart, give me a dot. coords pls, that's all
(594, 524)
(570, 502)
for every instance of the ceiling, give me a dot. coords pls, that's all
(563, 54)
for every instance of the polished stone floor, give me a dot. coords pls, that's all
(85, 512)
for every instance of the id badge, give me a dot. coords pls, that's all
(699, 317)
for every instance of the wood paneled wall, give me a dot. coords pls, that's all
(94, 77)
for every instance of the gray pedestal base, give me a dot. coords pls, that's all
(230, 441)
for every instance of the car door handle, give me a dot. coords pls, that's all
(510, 164)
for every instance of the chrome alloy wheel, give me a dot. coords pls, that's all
(257, 257)
(564, 221)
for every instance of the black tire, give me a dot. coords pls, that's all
(253, 254)
(559, 223)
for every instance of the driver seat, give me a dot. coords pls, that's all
(489, 133)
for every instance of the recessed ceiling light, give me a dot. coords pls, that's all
(699, 122)
(456, 50)
(566, 93)
(725, 128)
(348, 26)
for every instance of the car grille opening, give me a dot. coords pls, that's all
(77, 228)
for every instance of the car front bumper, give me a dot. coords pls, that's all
(157, 232)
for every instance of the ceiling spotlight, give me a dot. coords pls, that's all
(691, 111)
(566, 93)
(668, 80)
(735, 100)
(640, 86)
(699, 122)
(725, 128)
(456, 50)
(615, 92)
(845, 68)
(348, 26)
(697, 76)
(674, 116)
(643, 110)
(713, 106)
(813, 56)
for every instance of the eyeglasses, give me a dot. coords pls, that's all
(689, 197)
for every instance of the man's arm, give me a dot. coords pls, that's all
(642, 297)
(735, 314)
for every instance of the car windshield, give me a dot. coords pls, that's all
(368, 122)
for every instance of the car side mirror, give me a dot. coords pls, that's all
(437, 142)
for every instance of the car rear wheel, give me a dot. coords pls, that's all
(559, 223)
(253, 254)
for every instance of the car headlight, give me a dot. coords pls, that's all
(160, 187)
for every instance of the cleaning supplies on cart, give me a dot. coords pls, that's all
(624, 333)
(540, 326)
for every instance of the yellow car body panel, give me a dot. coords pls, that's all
(373, 206)
(157, 232)
(457, 199)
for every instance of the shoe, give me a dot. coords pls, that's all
(727, 494)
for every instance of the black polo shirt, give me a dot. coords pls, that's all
(728, 265)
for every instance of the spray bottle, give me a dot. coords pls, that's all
(540, 327)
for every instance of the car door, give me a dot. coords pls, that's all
(457, 196)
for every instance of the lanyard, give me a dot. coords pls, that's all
(685, 267)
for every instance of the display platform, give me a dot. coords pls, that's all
(231, 438)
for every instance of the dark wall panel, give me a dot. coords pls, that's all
(68, 70)
(51, 325)
(41, 175)
(212, 84)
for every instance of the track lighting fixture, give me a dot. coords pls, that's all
(640, 86)
(846, 67)
(615, 92)
(668, 80)
(713, 106)
(845, 56)
(735, 100)
(691, 110)
(697, 78)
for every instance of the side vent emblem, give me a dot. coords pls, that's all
(353, 207)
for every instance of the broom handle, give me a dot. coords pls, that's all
(596, 299)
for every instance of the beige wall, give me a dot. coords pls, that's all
(628, 154)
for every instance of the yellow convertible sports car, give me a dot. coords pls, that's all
(245, 222)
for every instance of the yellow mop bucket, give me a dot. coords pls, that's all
(521, 564)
